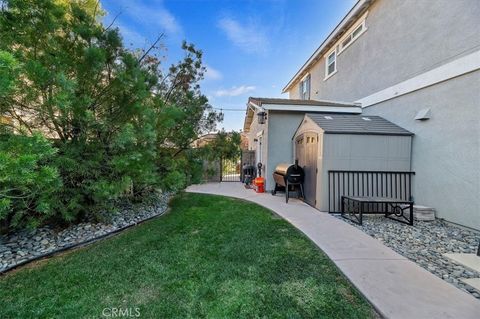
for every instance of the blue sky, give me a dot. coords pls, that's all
(251, 48)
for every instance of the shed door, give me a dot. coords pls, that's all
(306, 151)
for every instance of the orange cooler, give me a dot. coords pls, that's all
(259, 183)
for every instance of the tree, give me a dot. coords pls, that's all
(8, 73)
(224, 146)
(120, 122)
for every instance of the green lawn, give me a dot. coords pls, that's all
(209, 256)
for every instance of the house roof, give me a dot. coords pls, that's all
(357, 10)
(260, 101)
(356, 124)
(294, 105)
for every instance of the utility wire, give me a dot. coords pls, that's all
(221, 109)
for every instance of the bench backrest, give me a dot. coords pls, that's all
(392, 184)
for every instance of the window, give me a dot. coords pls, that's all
(346, 41)
(352, 35)
(305, 88)
(357, 31)
(331, 64)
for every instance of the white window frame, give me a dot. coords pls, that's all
(327, 75)
(304, 88)
(349, 34)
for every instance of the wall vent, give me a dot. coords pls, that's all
(423, 115)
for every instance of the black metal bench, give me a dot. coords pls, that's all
(391, 207)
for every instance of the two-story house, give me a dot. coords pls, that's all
(414, 63)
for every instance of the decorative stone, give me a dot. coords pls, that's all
(26, 245)
(425, 243)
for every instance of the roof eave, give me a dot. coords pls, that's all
(251, 105)
(352, 15)
(367, 133)
(353, 109)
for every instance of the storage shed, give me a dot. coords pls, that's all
(349, 142)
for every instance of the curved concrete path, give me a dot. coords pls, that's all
(397, 287)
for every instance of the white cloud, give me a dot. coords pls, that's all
(235, 91)
(154, 17)
(212, 74)
(132, 37)
(167, 21)
(250, 38)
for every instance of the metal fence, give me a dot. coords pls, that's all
(230, 168)
(390, 184)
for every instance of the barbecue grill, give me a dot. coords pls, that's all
(288, 176)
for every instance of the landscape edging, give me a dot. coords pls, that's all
(80, 244)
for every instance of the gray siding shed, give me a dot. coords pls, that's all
(354, 142)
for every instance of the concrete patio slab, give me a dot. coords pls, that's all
(396, 287)
(471, 261)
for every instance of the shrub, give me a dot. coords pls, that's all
(29, 184)
(8, 70)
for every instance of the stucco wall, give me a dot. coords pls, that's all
(403, 39)
(282, 126)
(294, 93)
(446, 148)
(253, 134)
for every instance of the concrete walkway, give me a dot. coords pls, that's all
(397, 287)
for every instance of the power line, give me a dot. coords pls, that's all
(222, 109)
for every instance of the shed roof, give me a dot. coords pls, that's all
(356, 124)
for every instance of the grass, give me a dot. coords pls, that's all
(210, 256)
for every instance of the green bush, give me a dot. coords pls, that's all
(29, 184)
(8, 70)
(122, 123)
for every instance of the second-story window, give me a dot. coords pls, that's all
(305, 88)
(331, 64)
(352, 36)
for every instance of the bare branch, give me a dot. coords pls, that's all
(151, 47)
(113, 21)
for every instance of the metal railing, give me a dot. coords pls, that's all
(392, 184)
(230, 169)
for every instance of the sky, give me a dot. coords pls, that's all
(250, 47)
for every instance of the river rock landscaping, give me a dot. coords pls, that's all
(25, 245)
(425, 243)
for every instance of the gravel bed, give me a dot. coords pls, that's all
(24, 245)
(425, 243)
